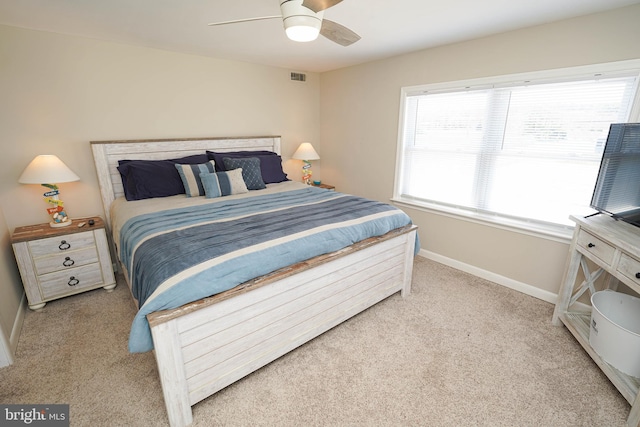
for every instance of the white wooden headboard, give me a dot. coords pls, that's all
(107, 153)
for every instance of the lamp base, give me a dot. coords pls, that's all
(60, 224)
(306, 172)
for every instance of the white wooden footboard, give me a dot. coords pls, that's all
(207, 345)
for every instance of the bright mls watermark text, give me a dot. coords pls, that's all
(34, 415)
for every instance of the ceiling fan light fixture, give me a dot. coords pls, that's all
(300, 23)
(302, 28)
(303, 24)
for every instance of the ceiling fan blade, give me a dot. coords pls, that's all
(213, 24)
(318, 5)
(338, 33)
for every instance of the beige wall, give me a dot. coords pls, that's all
(359, 130)
(60, 92)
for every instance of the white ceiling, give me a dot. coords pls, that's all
(387, 27)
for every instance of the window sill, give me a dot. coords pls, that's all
(558, 233)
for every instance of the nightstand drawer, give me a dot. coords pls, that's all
(70, 281)
(66, 260)
(630, 267)
(597, 247)
(60, 244)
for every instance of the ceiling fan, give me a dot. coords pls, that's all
(303, 21)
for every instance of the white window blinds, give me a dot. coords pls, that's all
(529, 151)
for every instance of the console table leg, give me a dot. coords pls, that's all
(568, 282)
(634, 415)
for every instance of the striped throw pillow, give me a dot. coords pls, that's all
(223, 183)
(190, 175)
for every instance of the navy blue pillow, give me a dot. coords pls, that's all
(271, 167)
(270, 163)
(218, 157)
(146, 179)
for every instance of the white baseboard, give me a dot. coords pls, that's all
(493, 277)
(8, 346)
(17, 324)
(6, 358)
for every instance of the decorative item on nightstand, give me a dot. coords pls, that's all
(305, 152)
(48, 170)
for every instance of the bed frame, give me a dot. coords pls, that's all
(206, 345)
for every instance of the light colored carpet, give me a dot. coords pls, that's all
(458, 351)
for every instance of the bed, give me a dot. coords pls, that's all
(232, 300)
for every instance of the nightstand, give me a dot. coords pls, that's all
(58, 262)
(325, 186)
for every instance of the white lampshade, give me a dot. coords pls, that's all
(305, 152)
(47, 169)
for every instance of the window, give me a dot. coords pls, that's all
(510, 149)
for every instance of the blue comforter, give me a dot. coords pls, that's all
(181, 255)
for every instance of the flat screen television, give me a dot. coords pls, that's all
(617, 190)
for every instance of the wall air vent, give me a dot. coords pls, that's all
(298, 77)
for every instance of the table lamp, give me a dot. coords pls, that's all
(48, 170)
(305, 152)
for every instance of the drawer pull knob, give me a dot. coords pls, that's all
(73, 281)
(63, 246)
(591, 245)
(637, 275)
(68, 262)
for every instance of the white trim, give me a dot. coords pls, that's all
(492, 277)
(5, 356)
(555, 234)
(8, 348)
(634, 114)
(609, 69)
(17, 324)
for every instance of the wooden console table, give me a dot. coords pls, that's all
(614, 246)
